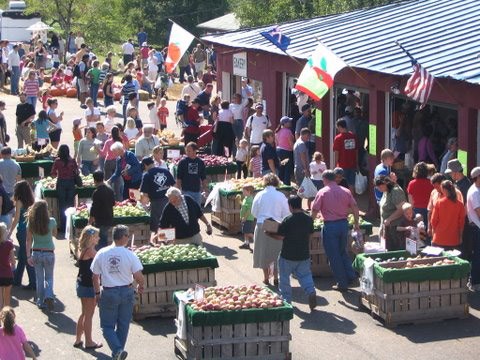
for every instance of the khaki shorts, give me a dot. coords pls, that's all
(82, 85)
(200, 66)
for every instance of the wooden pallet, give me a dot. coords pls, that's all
(265, 341)
(141, 231)
(417, 302)
(157, 297)
(224, 222)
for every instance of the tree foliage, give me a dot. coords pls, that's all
(256, 13)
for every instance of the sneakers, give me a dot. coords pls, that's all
(337, 287)
(49, 303)
(312, 301)
(245, 246)
(122, 355)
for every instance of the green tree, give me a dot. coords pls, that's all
(256, 13)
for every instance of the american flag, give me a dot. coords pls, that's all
(419, 85)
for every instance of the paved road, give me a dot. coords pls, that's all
(336, 330)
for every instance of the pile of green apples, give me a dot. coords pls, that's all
(50, 183)
(234, 298)
(128, 211)
(170, 253)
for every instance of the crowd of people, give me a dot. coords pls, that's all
(440, 205)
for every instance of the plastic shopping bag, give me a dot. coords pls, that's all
(361, 183)
(307, 190)
(366, 282)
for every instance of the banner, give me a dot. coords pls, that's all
(180, 40)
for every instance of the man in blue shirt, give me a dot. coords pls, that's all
(155, 183)
(142, 37)
(128, 169)
(384, 168)
(191, 174)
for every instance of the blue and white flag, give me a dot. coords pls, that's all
(276, 37)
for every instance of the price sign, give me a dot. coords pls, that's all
(41, 172)
(199, 292)
(166, 234)
(173, 153)
(411, 246)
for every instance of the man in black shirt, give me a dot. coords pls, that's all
(191, 174)
(25, 113)
(295, 231)
(155, 183)
(101, 212)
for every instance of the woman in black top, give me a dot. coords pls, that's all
(86, 252)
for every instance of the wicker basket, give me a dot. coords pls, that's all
(173, 142)
(25, 158)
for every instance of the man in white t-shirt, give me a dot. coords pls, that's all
(145, 144)
(256, 124)
(116, 267)
(473, 213)
(127, 51)
(191, 88)
(79, 40)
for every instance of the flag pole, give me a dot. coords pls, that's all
(350, 67)
(412, 59)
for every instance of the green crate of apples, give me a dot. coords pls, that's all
(174, 257)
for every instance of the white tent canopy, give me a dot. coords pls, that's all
(39, 26)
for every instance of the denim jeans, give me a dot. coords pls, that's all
(66, 197)
(103, 241)
(32, 100)
(116, 308)
(285, 171)
(94, 93)
(107, 100)
(335, 235)
(301, 269)
(88, 167)
(15, 78)
(197, 196)
(22, 261)
(238, 128)
(44, 262)
(475, 275)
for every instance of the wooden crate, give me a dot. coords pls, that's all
(319, 260)
(416, 302)
(157, 297)
(265, 340)
(141, 231)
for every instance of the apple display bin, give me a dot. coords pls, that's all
(227, 215)
(30, 170)
(138, 226)
(416, 295)
(319, 261)
(82, 194)
(163, 279)
(239, 334)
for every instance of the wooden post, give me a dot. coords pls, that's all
(467, 135)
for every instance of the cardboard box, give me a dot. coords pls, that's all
(271, 225)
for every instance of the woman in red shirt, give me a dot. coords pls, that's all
(64, 169)
(448, 218)
(419, 190)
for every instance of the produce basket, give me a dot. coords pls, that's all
(162, 279)
(25, 158)
(416, 290)
(253, 333)
(319, 261)
(227, 213)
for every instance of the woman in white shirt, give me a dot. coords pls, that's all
(223, 130)
(268, 203)
(92, 114)
(317, 167)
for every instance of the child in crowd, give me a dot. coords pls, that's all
(41, 76)
(317, 167)
(246, 217)
(77, 135)
(56, 59)
(255, 164)
(411, 225)
(41, 125)
(152, 115)
(44, 98)
(182, 107)
(13, 342)
(295, 231)
(162, 113)
(131, 130)
(69, 71)
(241, 158)
(7, 263)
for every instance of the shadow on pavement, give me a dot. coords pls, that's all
(59, 321)
(325, 321)
(299, 296)
(224, 251)
(158, 326)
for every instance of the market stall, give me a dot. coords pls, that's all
(319, 260)
(227, 201)
(169, 268)
(46, 189)
(31, 169)
(124, 213)
(237, 322)
(407, 289)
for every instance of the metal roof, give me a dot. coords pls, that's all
(226, 22)
(443, 35)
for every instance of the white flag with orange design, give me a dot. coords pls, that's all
(180, 40)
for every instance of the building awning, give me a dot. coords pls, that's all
(443, 35)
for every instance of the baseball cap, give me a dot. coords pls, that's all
(285, 119)
(306, 107)
(259, 106)
(348, 109)
(144, 43)
(475, 172)
(453, 166)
